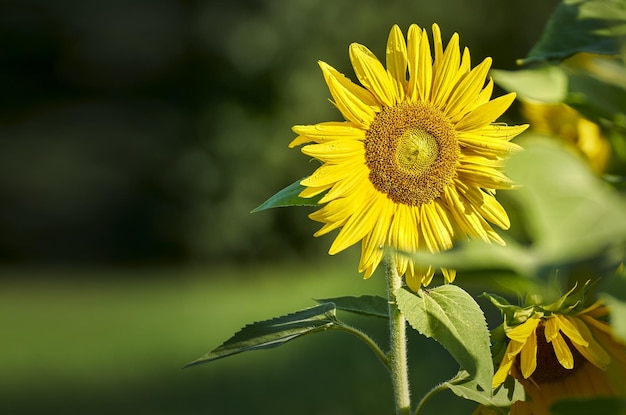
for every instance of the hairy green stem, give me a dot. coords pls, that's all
(430, 394)
(397, 344)
(369, 341)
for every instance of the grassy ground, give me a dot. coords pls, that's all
(114, 341)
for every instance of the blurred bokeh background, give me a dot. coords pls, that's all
(136, 138)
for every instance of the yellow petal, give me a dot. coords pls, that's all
(570, 330)
(417, 276)
(463, 214)
(338, 151)
(448, 274)
(365, 213)
(446, 71)
(489, 146)
(326, 131)
(313, 190)
(437, 45)
(594, 352)
(484, 176)
(523, 331)
(488, 207)
(502, 373)
(349, 185)
(528, 355)
(486, 113)
(562, 352)
(372, 74)
(512, 350)
(405, 229)
(413, 57)
(356, 104)
(424, 69)
(397, 60)
(330, 174)
(468, 89)
(372, 246)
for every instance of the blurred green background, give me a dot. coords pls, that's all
(136, 138)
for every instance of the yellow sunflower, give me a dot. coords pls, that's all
(418, 160)
(568, 124)
(558, 354)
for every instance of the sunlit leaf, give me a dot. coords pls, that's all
(369, 305)
(275, 332)
(546, 84)
(502, 398)
(589, 406)
(580, 26)
(289, 197)
(450, 315)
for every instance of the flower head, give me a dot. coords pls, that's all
(560, 351)
(568, 124)
(416, 164)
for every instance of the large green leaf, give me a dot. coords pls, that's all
(289, 197)
(580, 26)
(589, 406)
(503, 397)
(596, 98)
(369, 305)
(275, 332)
(614, 294)
(450, 315)
(547, 84)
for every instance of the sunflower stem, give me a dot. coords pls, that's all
(397, 344)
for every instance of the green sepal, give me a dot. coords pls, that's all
(275, 332)
(289, 196)
(498, 400)
(580, 26)
(450, 316)
(367, 305)
(590, 406)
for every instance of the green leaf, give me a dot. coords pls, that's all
(450, 315)
(369, 305)
(580, 26)
(596, 98)
(503, 397)
(547, 84)
(275, 332)
(589, 406)
(614, 294)
(289, 197)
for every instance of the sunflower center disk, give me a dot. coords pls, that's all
(416, 151)
(548, 367)
(412, 153)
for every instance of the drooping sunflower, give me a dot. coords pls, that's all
(557, 352)
(417, 161)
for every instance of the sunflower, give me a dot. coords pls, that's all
(566, 123)
(556, 352)
(417, 161)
